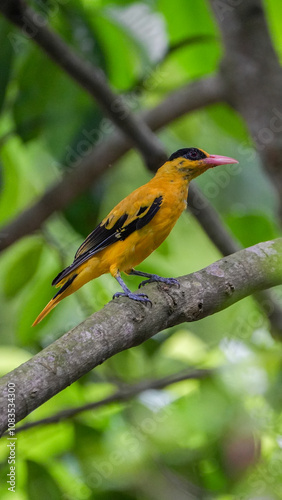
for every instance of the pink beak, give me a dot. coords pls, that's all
(214, 160)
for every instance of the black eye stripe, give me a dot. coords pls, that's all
(188, 153)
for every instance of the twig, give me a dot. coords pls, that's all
(127, 392)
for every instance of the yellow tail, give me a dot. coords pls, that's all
(65, 290)
(47, 309)
(71, 279)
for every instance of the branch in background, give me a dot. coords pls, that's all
(123, 324)
(253, 78)
(190, 41)
(57, 197)
(89, 77)
(211, 223)
(127, 392)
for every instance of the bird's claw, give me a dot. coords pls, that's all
(167, 281)
(139, 297)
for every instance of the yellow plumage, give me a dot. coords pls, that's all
(135, 227)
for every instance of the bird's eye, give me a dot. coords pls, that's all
(194, 154)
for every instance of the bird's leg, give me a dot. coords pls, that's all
(153, 277)
(141, 297)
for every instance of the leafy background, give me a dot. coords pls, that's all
(218, 438)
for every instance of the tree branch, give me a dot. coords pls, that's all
(122, 323)
(57, 197)
(253, 79)
(124, 394)
(211, 222)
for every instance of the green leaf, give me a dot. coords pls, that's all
(22, 266)
(59, 114)
(185, 18)
(111, 35)
(7, 55)
(11, 357)
(250, 229)
(36, 296)
(273, 10)
(10, 178)
(189, 20)
(184, 346)
(40, 483)
(229, 121)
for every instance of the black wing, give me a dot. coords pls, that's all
(107, 233)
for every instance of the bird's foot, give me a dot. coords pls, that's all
(140, 297)
(155, 278)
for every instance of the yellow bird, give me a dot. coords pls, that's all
(135, 228)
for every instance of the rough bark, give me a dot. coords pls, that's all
(123, 323)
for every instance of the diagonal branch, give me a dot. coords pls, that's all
(57, 197)
(123, 324)
(124, 394)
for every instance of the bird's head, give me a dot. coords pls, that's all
(192, 162)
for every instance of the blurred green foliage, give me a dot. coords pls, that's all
(218, 438)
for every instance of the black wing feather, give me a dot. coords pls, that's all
(102, 237)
